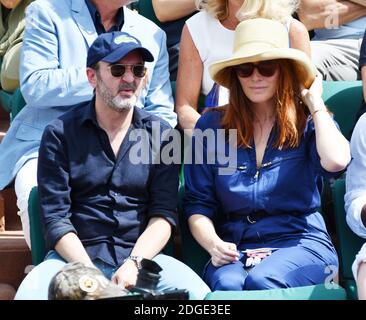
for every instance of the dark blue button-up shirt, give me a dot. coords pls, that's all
(107, 200)
(286, 187)
(98, 21)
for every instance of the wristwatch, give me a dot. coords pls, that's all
(136, 259)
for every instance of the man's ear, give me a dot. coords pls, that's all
(146, 78)
(92, 76)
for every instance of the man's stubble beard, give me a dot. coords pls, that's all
(117, 103)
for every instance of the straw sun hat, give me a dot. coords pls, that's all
(259, 40)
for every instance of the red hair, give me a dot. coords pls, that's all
(290, 113)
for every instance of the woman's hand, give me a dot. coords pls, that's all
(312, 97)
(223, 253)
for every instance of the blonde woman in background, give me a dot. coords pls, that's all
(208, 36)
(172, 15)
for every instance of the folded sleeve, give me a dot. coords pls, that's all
(164, 184)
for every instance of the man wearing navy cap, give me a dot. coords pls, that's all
(53, 80)
(96, 206)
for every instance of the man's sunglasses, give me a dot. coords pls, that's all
(118, 70)
(265, 68)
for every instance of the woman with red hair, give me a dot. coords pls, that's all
(256, 212)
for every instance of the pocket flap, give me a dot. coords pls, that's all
(28, 133)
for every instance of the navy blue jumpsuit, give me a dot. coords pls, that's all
(282, 198)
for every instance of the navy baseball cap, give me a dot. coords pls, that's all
(113, 46)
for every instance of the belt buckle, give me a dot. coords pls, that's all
(249, 219)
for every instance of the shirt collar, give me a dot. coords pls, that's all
(90, 114)
(138, 118)
(97, 21)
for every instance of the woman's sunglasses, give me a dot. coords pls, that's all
(265, 68)
(118, 70)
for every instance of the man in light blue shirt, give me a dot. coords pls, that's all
(53, 77)
(338, 30)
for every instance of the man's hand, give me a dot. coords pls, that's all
(126, 275)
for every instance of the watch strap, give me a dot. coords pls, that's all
(136, 260)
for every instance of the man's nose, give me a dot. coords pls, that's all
(128, 75)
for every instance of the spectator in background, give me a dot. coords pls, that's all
(172, 14)
(355, 198)
(53, 78)
(338, 29)
(208, 36)
(12, 24)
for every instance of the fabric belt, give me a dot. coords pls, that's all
(255, 216)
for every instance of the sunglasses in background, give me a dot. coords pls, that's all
(118, 70)
(265, 68)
